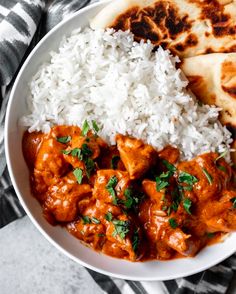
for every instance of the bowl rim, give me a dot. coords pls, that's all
(184, 273)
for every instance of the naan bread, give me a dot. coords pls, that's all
(186, 27)
(212, 78)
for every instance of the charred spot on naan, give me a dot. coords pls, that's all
(220, 21)
(190, 41)
(123, 21)
(160, 21)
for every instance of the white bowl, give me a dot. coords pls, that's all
(60, 238)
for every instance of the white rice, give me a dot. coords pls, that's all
(126, 88)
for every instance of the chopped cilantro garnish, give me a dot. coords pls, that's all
(221, 155)
(66, 152)
(163, 180)
(176, 197)
(78, 173)
(64, 140)
(221, 167)
(163, 197)
(114, 161)
(187, 205)
(86, 219)
(76, 152)
(169, 210)
(95, 220)
(135, 241)
(173, 223)
(85, 128)
(169, 166)
(108, 216)
(83, 154)
(187, 188)
(95, 126)
(131, 198)
(111, 188)
(208, 176)
(210, 235)
(121, 228)
(164, 207)
(89, 165)
(175, 206)
(86, 151)
(101, 235)
(187, 178)
(233, 200)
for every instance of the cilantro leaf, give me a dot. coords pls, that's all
(221, 155)
(76, 152)
(89, 165)
(132, 198)
(86, 219)
(111, 188)
(233, 200)
(208, 176)
(187, 205)
(101, 235)
(135, 241)
(163, 180)
(173, 223)
(78, 173)
(66, 152)
(210, 235)
(95, 126)
(86, 151)
(169, 166)
(109, 216)
(85, 128)
(221, 167)
(64, 140)
(121, 228)
(187, 178)
(114, 161)
(95, 220)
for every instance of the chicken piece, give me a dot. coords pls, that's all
(50, 158)
(210, 179)
(49, 166)
(183, 243)
(30, 146)
(110, 185)
(156, 221)
(137, 157)
(87, 147)
(220, 216)
(161, 198)
(62, 198)
(170, 154)
(91, 233)
(123, 233)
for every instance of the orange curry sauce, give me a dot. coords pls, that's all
(130, 201)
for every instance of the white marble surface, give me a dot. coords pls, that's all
(30, 264)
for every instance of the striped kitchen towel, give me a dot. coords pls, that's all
(22, 24)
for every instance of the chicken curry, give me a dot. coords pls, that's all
(130, 201)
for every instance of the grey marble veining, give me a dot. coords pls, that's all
(30, 264)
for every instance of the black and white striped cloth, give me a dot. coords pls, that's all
(22, 24)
